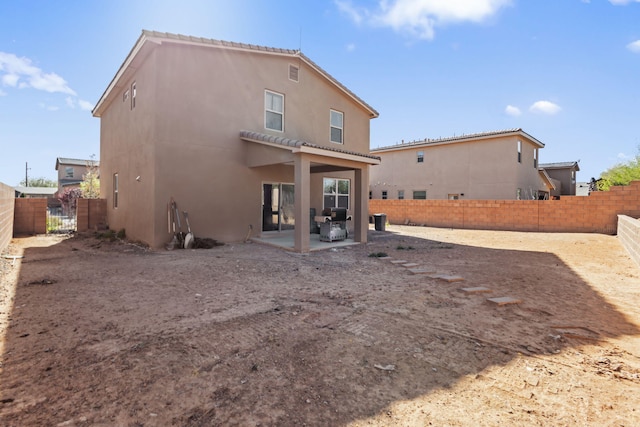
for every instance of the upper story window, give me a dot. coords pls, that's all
(519, 151)
(273, 111)
(420, 156)
(133, 95)
(125, 95)
(68, 172)
(535, 158)
(400, 194)
(337, 120)
(384, 194)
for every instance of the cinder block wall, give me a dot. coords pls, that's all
(597, 213)
(30, 216)
(7, 203)
(91, 214)
(629, 236)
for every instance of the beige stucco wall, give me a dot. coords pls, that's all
(182, 138)
(479, 169)
(567, 179)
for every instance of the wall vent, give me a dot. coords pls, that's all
(293, 73)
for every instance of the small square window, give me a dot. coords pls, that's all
(420, 156)
(384, 195)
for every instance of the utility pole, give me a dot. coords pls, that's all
(26, 174)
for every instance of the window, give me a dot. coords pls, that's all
(400, 194)
(336, 126)
(519, 151)
(370, 195)
(336, 193)
(420, 195)
(384, 194)
(293, 73)
(125, 95)
(420, 156)
(68, 172)
(133, 95)
(453, 197)
(573, 177)
(274, 111)
(535, 158)
(115, 190)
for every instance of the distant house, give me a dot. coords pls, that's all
(35, 192)
(72, 171)
(564, 173)
(247, 139)
(490, 165)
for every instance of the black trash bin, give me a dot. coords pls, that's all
(380, 220)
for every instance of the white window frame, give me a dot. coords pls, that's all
(419, 191)
(333, 126)
(336, 193)
(519, 151)
(268, 110)
(116, 190)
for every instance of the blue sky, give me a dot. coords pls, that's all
(565, 71)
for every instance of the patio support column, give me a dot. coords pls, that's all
(302, 197)
(361, 204)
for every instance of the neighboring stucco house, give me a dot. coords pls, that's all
(35, 192)
(564, 173)
(72, 171)
(245, 138)
(490, 165)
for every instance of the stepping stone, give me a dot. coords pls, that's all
(476, 290)
(422, 270)
(450, 279)
(410, 265)
(500, 301)
(399, 261)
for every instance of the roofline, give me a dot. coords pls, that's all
(159, 38)
(560, 165)
(545, 177)
(457, 139)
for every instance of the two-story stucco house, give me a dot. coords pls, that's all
(71, 171)
(563, 174)
(491, 165)
(245, 138)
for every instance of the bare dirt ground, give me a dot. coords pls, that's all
(108, 333)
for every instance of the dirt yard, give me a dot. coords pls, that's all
(110, 334)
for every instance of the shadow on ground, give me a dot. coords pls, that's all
(105, 333)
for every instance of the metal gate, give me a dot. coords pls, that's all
(61, 220)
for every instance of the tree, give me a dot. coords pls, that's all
(90, 185)
(69, 199)
(39, 182)
(620, 174)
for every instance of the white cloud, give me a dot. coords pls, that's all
(622, 2)
(71, 103)
(634, 46)
(85, 105)
(545, 107)
(351, 47)
(420, 18)
(48, 107)
(512, 111)
(20, 72)
(351, 11)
